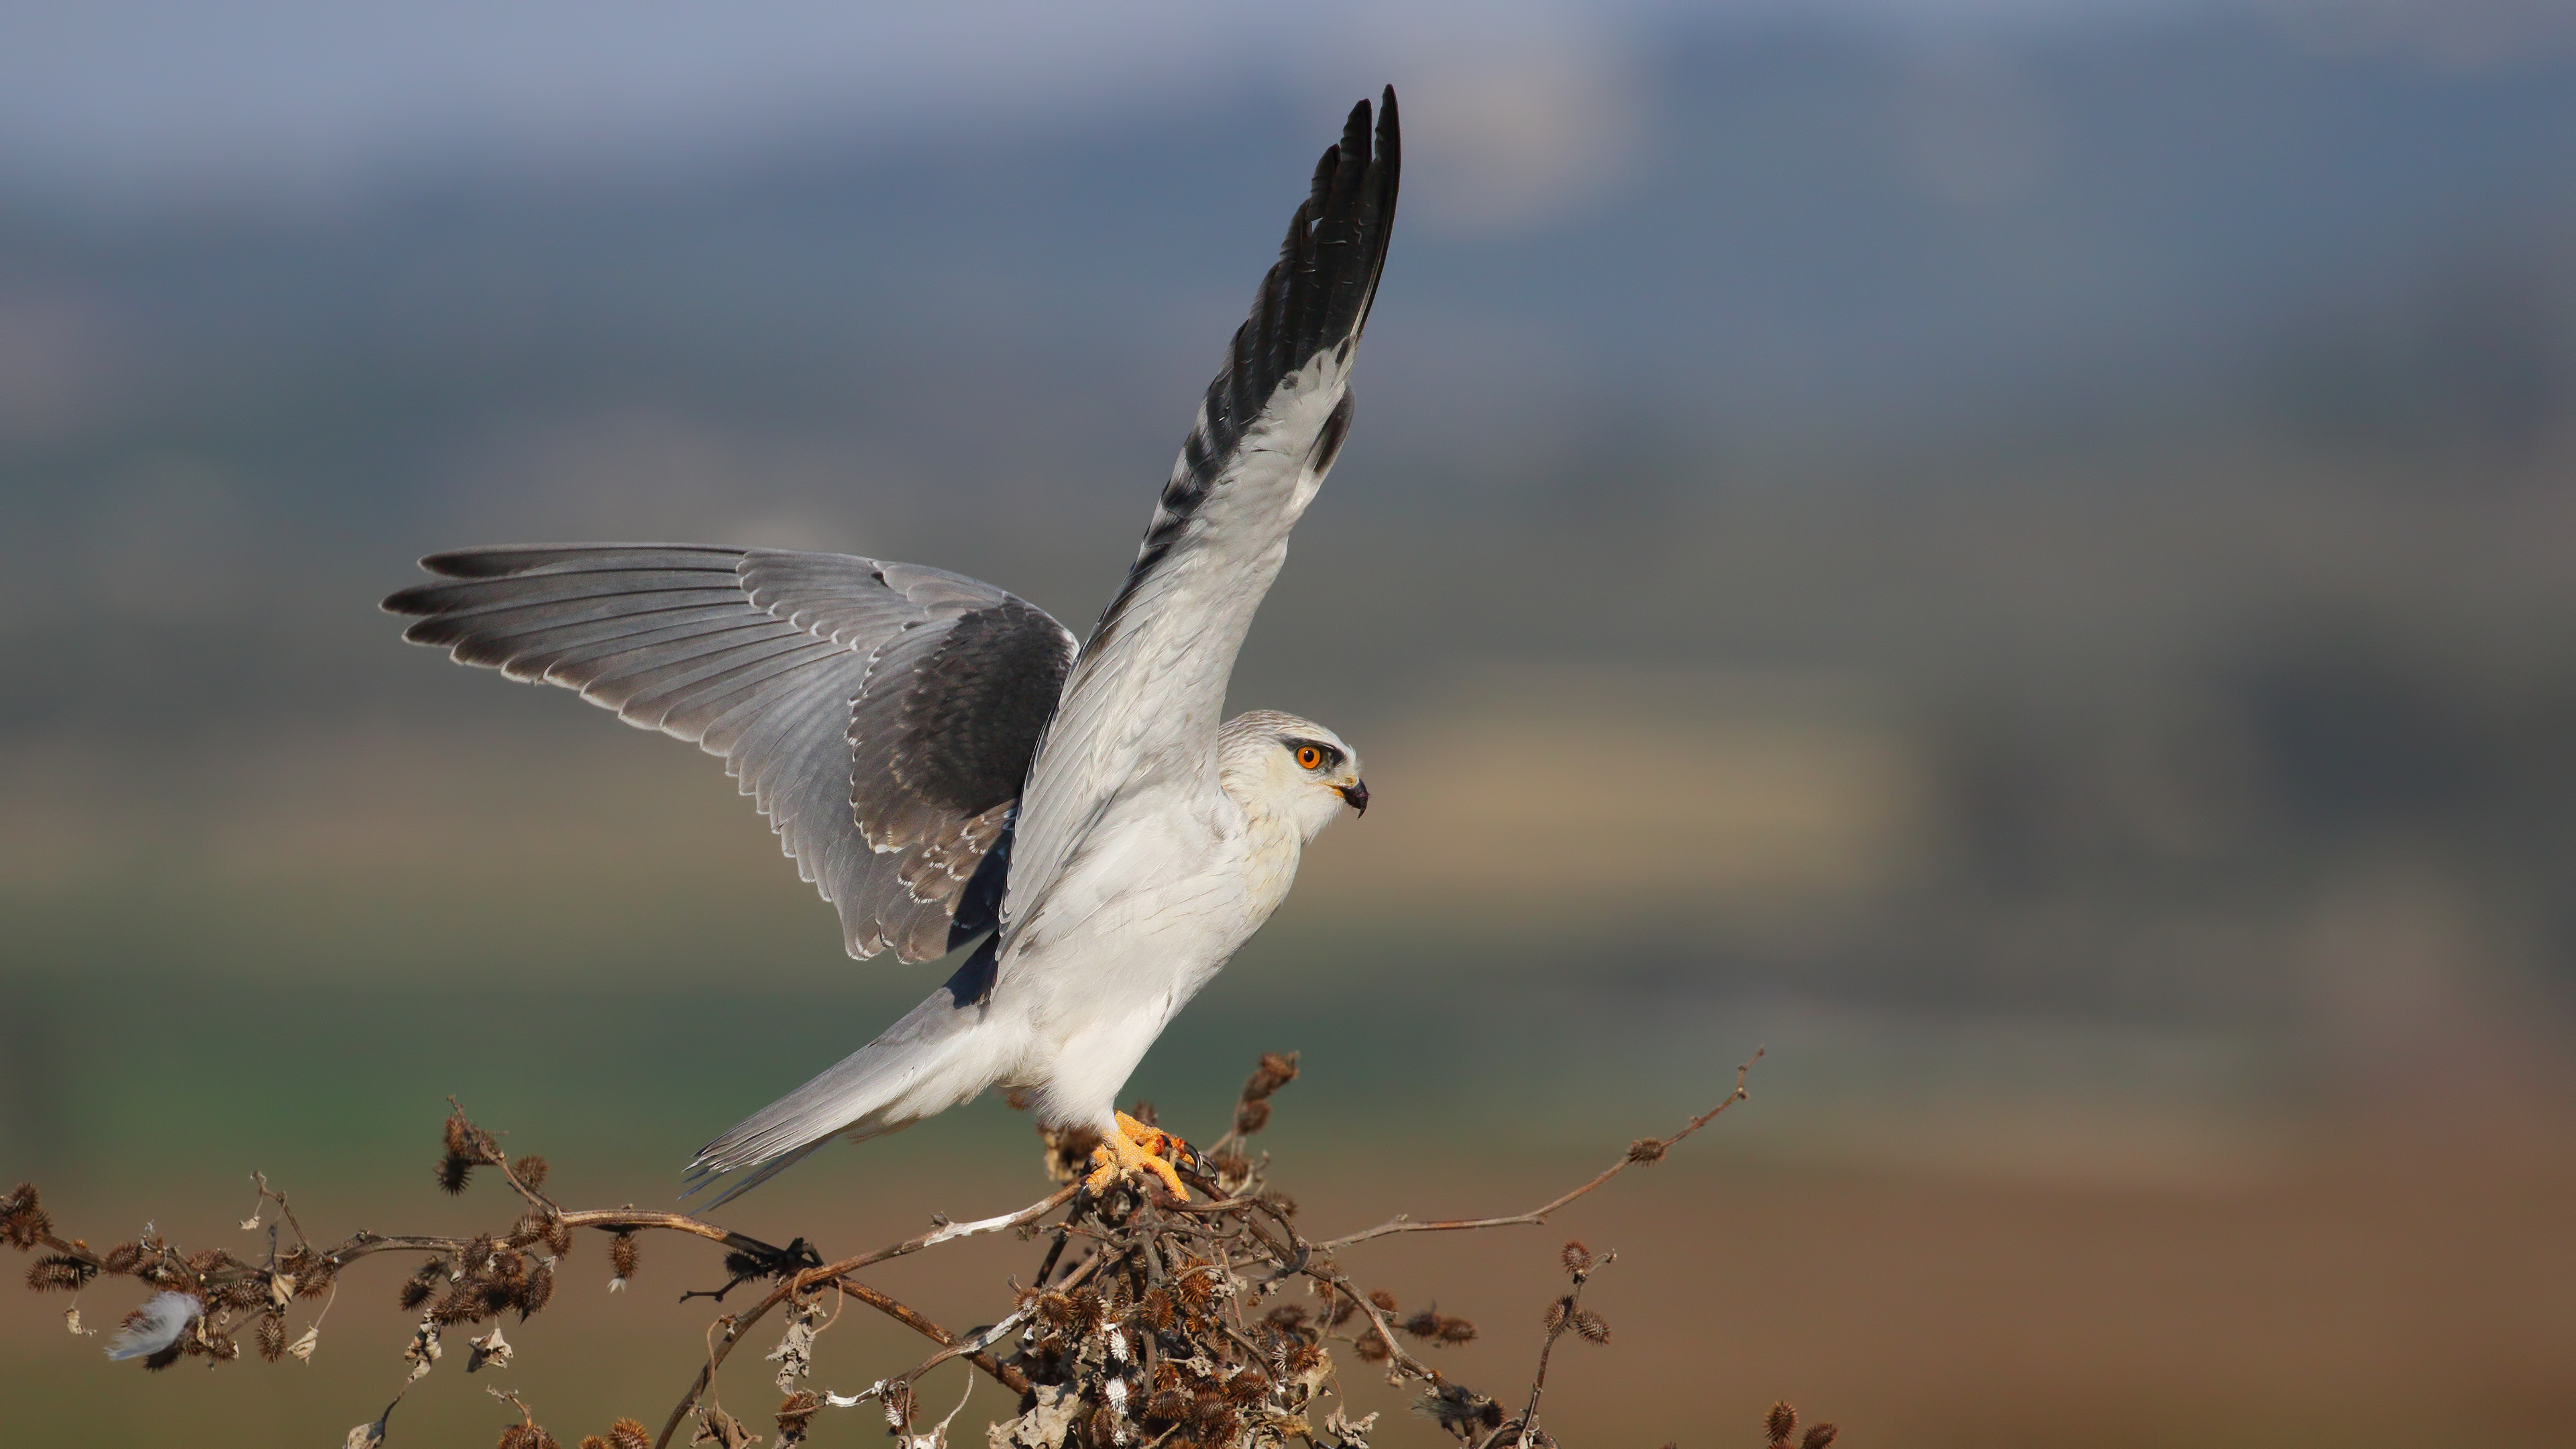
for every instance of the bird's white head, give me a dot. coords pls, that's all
(1291, 769)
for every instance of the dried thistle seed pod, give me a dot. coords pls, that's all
(1102, 1426)
(1424, 1324)
(460, 1304)
(796, 1417)
(1302, 1357)
(1593, 1327)
(1154, 1310)
(239, 1293)
(453, 1173)
(1274, 1072)
(1555, 1315)
(1287, 1315)
(1577, 1258)
(1068, 1151)
(1458, 1409)
(1285, 1205)
(123, 1258)
(272, 1336)
(1372, 1348)
(1090, 1311)
(529, 1230)
(414, 1293)
(558, 1236)
(622, 1254)
(628, 1434)
(1343, 1309)
(208, 1261)
(477, 1256)
(22, 1217)
(1819, 1437)
(59, 1273)
(1781, 1422)
(531, 1169)
(1168, 1405)
(1647, 1151)
(526, 1436)
(1384, 1300)
(1251, 1117)
(1213, 1419)
(1457, 1331)
(537, 1291)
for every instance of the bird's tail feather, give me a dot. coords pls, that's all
(944, 1052)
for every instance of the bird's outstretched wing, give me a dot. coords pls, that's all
(881, 714)
(1142, 706)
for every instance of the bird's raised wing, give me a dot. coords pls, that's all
(1142, 706)
(881, 714)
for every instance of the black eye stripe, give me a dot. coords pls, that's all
(1325, 755)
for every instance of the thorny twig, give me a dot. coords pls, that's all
(1564, 1315)
(1147, 1338)
(1643, 1150)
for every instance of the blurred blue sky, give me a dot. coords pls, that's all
(153, 104)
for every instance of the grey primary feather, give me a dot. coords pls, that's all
(882, 715)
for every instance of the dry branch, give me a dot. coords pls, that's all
(1155, 1334)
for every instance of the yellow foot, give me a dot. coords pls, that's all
(1136, 1148)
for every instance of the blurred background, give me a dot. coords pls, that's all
(2020, 555)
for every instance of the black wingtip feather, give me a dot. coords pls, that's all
(1315, 298)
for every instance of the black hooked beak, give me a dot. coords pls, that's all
(1357, 793)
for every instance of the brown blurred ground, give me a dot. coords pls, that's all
(2399, 1280)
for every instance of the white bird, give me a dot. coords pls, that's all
(942, 760)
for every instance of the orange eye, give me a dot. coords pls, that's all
(1308, 757)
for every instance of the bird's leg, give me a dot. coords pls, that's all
(1136, 1148)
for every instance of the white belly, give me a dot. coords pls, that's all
(1122, 944)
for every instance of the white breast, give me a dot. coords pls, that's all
(1158, 901)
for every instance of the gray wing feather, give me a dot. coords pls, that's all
(881, 715)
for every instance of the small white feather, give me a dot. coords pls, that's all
(154, 1326)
